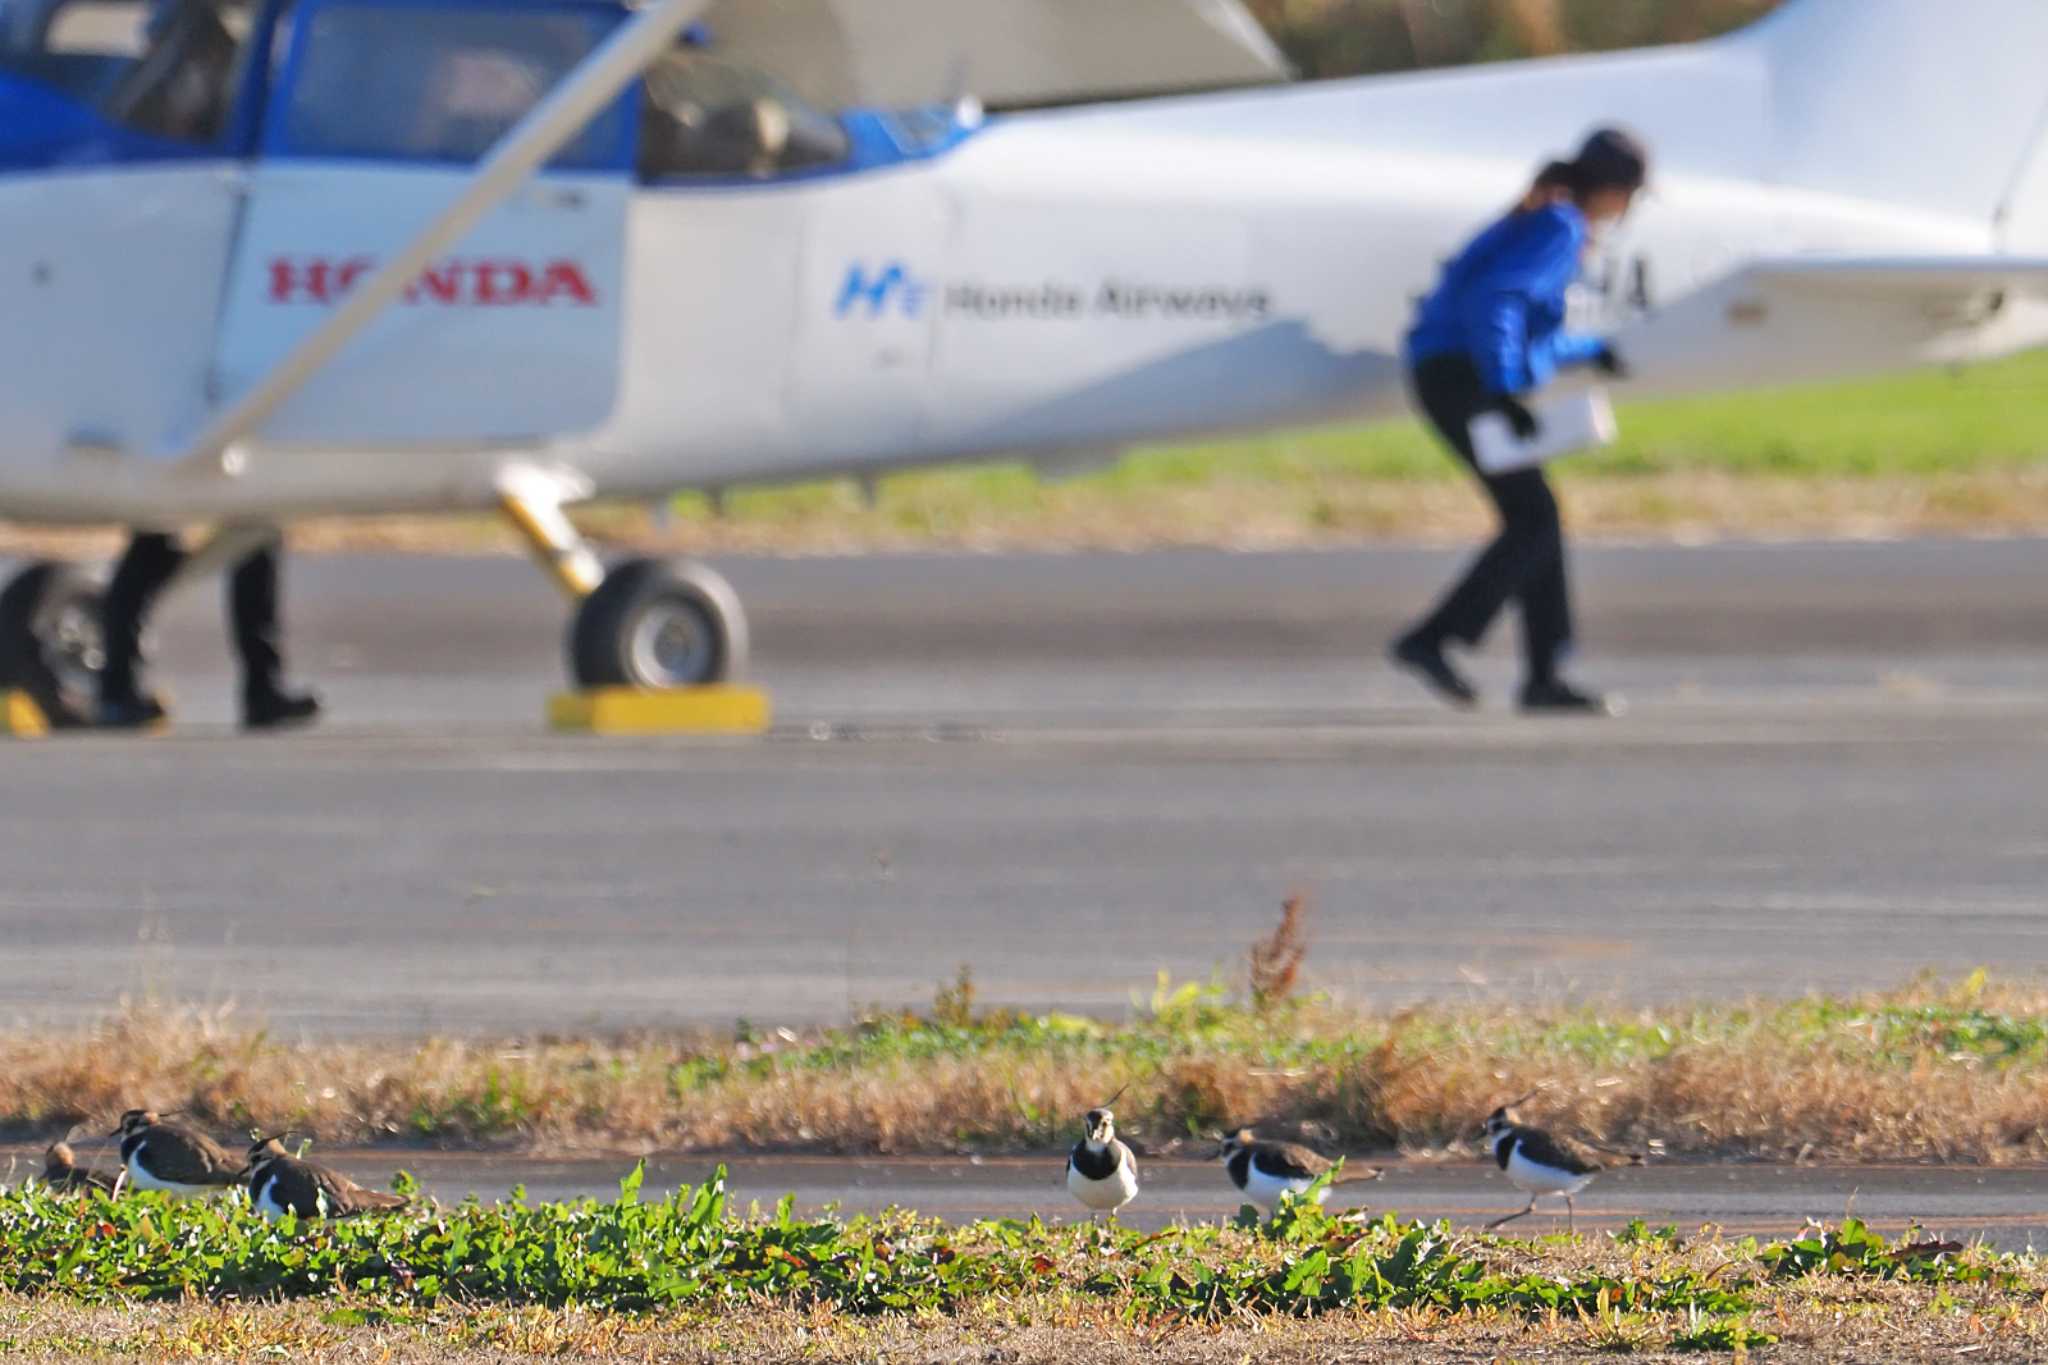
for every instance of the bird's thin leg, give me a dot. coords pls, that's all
(1568, 1215)
(1513, 1216)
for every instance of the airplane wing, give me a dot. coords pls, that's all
(902, 53)
(1802, 319)
(1927, 277)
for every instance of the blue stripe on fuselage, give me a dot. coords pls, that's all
(42, 128)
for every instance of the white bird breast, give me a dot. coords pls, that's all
(267, 1205)
(143, 1180)
(1104, 1195)
(1525, 1174)
(1265, 1190)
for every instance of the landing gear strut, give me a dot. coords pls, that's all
(644, 623)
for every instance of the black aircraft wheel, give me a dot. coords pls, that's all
(660, 626)
(51, 643)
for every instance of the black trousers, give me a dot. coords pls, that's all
(1526, 561)
(151, 560)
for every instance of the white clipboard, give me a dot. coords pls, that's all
(1565, 425)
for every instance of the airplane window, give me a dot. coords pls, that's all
(436, 85)
(185, 79)
(703, 116)
(166, 67)
(84, 61)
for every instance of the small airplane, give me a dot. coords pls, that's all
(279, 259)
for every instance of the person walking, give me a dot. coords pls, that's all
(1489, 336)
(152, 559)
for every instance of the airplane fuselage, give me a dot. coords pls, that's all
(1057, 286)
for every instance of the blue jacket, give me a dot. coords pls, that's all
(1501, 302)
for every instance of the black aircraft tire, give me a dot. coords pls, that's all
(51, 644)
(658, 626)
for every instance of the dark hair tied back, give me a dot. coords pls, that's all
(1611, 159)
(1555, 181)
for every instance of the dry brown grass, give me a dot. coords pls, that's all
(1275, 967)
(1929, 1073)
(1821, 1320)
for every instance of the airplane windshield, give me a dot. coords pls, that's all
(415, 80)
(706, 116)
(440, 85)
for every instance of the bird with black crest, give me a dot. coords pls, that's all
(282, 1184)
(1101, 1171)
(1539, 1162)
(173, 1158)
(1264, 1171)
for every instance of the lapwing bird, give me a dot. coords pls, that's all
(280, 1183)
(1539, 1162)
(62, 1173)
(1101, 1172)
(173, 1158)
(1263, 1171)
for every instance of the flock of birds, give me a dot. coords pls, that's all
(157, 1154)
(1102, 1171)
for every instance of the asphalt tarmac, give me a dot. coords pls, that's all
(1071, 773)
(2007, 1207)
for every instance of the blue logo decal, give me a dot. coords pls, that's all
(892, 289)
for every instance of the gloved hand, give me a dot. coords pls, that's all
(1608, 361)
(1520, 420)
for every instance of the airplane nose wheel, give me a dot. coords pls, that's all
(51, 642)
(657, 625)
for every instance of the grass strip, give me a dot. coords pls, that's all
(1945, 1071)
(1929, 452)
(455, 1274)
(636, 1256)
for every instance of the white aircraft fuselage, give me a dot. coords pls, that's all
(1055, 285)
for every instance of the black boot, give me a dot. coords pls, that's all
(150, 562)
(1555, 697)
(135, 711)
(1425, 659)
(272, 708)
(253, 592)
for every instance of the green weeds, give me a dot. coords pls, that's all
(606, 1265)
(597, 1279)
(693, 1249)
(1720, 1336)
(1853, 1249)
